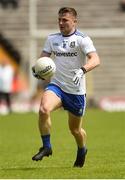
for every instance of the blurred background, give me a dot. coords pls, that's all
(24, 26)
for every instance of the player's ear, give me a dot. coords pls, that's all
(75, 20)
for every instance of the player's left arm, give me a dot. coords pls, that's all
(93, 61)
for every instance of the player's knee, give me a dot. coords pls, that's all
(44, 110)
(74, 131)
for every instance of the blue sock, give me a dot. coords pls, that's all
(81, 151)
(46, 140)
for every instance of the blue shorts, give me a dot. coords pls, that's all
(73, 103)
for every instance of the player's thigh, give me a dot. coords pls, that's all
(75, 122)
(50, 101)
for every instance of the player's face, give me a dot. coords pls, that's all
(67, 23)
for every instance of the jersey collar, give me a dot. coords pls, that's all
(69, 34)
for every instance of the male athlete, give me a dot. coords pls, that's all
(75, 55)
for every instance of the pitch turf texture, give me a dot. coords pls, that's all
(19, 140)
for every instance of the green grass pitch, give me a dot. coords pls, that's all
(19, 140)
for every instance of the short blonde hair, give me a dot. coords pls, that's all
(68, 10)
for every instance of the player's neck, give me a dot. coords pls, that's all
(69, 34)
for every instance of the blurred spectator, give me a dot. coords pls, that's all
(122, 5)
(6, 80)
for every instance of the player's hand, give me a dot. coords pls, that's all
(78, 76)
(34, 73)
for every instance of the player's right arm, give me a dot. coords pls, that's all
(45, 54)
(47, 50)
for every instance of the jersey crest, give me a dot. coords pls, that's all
(65, 44)
(72, 44)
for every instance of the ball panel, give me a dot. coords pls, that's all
(45, 67)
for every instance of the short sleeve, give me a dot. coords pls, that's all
(87, 45)
(47, 46)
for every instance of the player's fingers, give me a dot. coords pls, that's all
(73, 70)
(74, 78)
(33, 69)
(76, 81)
